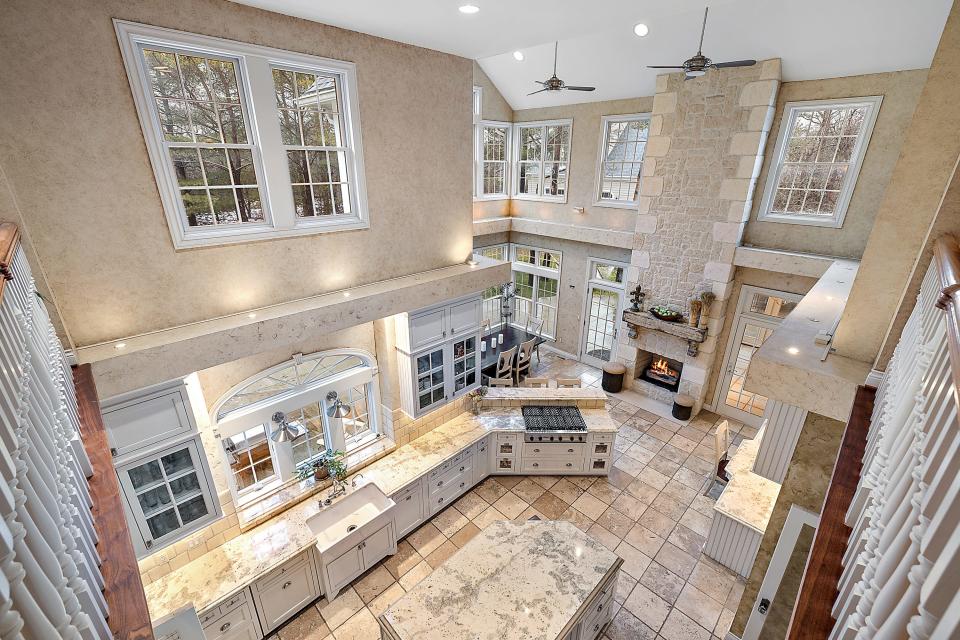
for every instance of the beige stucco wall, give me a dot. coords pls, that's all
(493, 106)
(74, 154)
(757, 278)
(909, 206)
(584, 150)
(900, 91)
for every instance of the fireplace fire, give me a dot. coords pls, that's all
(659, 370)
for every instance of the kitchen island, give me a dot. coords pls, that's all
(513, 581)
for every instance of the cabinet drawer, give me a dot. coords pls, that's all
(553, 465)
(598, 465)
(284, 595)
(239, 623)
(291, 565)
(440, 500)
(553, 450)
(598, 614)
(454, 477)
(148, 421)
(505, 464)
(602, 437)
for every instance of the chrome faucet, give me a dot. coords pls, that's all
(353, 483)
(338, 488)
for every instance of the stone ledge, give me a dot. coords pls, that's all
(643, 320)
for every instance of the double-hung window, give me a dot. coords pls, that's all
(246, 142)
(493, 160)
(536, 287)
(491, 295)
(541, 152)
(621, 159)
(816, 161)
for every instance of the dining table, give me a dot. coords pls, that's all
(512, 336)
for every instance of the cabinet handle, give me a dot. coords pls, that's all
(224, 627)
(536, 464)
(600, 608)
(462, 468)
(596, 627)
(536, 450)
(408, 498)
(286, 584)
(148, 544)
(462, 485)
(569, 464)
(440, 500)
(569, 450)
(440, 484)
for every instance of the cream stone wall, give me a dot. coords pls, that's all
(910, 203)
(900, 91)
(74, 154)
(584, 155)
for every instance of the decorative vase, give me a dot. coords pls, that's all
(695, 308)
(477, 404)
(320, 474)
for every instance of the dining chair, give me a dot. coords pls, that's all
(568, 382)
(721, 446)
(505, 363)
(500, 382)
(524, 359)
(542, 383)
(535, 326)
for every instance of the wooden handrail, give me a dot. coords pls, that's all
(946, 254)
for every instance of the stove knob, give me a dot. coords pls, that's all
(551, 438)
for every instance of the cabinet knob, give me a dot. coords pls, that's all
(286, 584)
(440, 484)
(462, 485)
(224, 627)
(408, 498)
(536, 464)
(569, 464)
(596, 627)
(536, 450)
(148, 544)
(569, 450)
(440, 500)
(462, 468)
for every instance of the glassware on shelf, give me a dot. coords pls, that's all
(145, 474)
(163, 523)
(184, 485)
(152, 499)
(192, 509)
(174, 463)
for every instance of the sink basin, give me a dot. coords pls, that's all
(350, 518)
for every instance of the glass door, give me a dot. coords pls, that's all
(759, 312)
(600, 328)
(464, 364)
(168, 493)
(431, 379)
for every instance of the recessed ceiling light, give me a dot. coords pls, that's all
(346, 294)
(251, 315)
(469, 8)
(793, 351)
(518, 56)
(641, 29)
(120, 345)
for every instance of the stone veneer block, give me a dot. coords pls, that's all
(749, 166)
(646, 224)
(718, 271)
(656, 125)
(761, 118)
(770, 69)
(643, 204)
(727, 232)
(735, 189)
(661, 84)
(640, 259)
(759, 93)
(665, 102)
(747, 143)
(657, 146)
(652, 186)
(739, 211)
(649, 167)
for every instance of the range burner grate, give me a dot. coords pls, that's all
(551, 418)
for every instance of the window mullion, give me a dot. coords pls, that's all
(282, 457)
(332, 430)
(274, 158)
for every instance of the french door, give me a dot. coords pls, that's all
(600, 328)
(759, 312)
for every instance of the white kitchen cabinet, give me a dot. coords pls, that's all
(481, 461)
(234, 619)
(600, 453)
(285, 591)
(339, 572)
(147, 418)
(441, 346)
(409, 512)
(167, 494)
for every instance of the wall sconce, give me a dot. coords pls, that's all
(338, 408)
(286, 431)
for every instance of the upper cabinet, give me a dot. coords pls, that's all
(440, 356)
(164, 474)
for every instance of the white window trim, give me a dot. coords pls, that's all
(515, 161)
(790, 110)
(537, 272)
(479, 196)
(604, 124)
(592, 269)
(254, 68)
(477, 104)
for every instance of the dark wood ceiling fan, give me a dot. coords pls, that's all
(697, 65)
(554, 83)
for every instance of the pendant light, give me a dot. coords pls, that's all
(338, 408)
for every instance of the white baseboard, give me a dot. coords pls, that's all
(874, 378)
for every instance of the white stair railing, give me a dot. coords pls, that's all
(901, 569)
(50, 579)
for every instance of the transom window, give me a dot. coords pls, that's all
(246, 142)
(536, 284)
(301, 391)
(817, 159)
(607, 273)
(493, 144)
(542, 156)
(621, 159)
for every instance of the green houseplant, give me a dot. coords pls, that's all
(331, 463)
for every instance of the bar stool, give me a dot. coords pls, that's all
(568, 382)
(537, 382)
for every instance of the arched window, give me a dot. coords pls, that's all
(302, 389)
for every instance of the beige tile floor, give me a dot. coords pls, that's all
(649, 510)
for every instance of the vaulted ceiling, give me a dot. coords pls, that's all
(814, 38)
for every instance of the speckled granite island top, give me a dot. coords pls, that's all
(514, 580)
(237, 563)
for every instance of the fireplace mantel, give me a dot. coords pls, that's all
(643, 320)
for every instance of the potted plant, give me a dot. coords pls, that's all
(477, 397)
(328, 464)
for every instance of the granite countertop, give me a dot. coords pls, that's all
(241, 560)
(748, 498)
(514, 580)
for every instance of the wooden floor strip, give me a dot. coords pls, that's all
(129, 616)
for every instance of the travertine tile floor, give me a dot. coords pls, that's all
(649, 510)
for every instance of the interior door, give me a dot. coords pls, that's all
(600, 327)
(735, 401)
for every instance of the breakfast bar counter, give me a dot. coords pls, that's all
(513, 581)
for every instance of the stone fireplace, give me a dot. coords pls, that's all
(659, 370)
(700, 168)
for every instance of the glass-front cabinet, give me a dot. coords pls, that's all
(445, 372)
(168, 493)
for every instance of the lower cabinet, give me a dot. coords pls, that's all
(337, 573)
(481, 461)
(286, 590)
(234, 619)
(409, 512)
